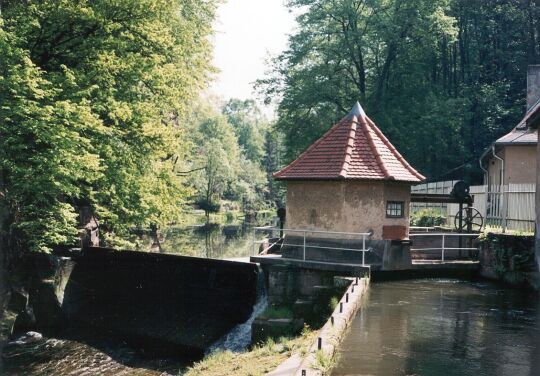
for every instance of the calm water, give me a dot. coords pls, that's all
(443, 327)
(218, 241)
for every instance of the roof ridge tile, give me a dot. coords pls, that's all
(354, 148)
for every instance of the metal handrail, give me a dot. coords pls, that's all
(443, 248)
(304, 243)
(312, 231)
(444, 234)
(420, 228)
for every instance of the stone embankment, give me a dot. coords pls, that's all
(320, 355)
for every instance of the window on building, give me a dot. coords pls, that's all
(394, 209)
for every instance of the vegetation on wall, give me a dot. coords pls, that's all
(428, 218)
(441, 78)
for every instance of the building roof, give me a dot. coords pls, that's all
(532, 118)
(520, 135)
(353, 149)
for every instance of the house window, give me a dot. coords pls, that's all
(394, 209)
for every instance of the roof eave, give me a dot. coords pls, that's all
(533, 121)
(339, 178)
(510, 143)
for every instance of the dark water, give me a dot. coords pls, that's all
(443, 327)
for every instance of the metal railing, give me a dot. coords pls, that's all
(421, 229)
(443, 247)
(305, 239)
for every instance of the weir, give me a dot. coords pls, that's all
(165, 303)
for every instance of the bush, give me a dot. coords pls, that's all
(229, 216)
(428, 218)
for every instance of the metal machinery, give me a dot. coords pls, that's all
(468, 219)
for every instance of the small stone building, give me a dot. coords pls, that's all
(350, 180)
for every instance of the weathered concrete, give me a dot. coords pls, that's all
(332, 332)
(274, 328)
(397, 255)
(165, 303)
(287, 283)
(510, 259)
(331, 268)
(344, 206)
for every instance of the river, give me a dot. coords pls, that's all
(443, 327)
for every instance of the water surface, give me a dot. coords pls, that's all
(443, 327)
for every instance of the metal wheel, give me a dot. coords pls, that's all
(472, 219)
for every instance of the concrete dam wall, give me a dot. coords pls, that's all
(165, 302)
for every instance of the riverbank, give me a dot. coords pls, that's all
(260, 360)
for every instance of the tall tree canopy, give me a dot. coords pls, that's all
(92, 98)
(442, 78)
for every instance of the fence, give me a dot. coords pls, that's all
(425, 242)
(513, 208)
(270, 232)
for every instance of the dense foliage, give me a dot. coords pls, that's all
(229, 164)
(92, 99)
(442, 78)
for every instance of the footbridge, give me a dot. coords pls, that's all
(354, 254)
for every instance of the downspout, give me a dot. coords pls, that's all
(486, 180)
(503, 204)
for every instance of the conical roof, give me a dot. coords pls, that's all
(352, 149)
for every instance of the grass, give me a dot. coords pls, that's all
(258, 361)
(333, 303)
(276, 312)
(323, 362)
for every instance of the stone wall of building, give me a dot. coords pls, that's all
(345, 206)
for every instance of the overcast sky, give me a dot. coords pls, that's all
(247, 33)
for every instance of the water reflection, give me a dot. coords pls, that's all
(219, 241)
(443, 327)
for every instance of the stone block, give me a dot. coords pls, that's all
(261, 330)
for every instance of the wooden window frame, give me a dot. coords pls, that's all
(401, 208)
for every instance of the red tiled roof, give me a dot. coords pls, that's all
(354, 148)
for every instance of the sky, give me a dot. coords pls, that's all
(248, 32)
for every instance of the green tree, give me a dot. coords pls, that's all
(249, 126)
(442, 78)
(93, 96)
(217, 162)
